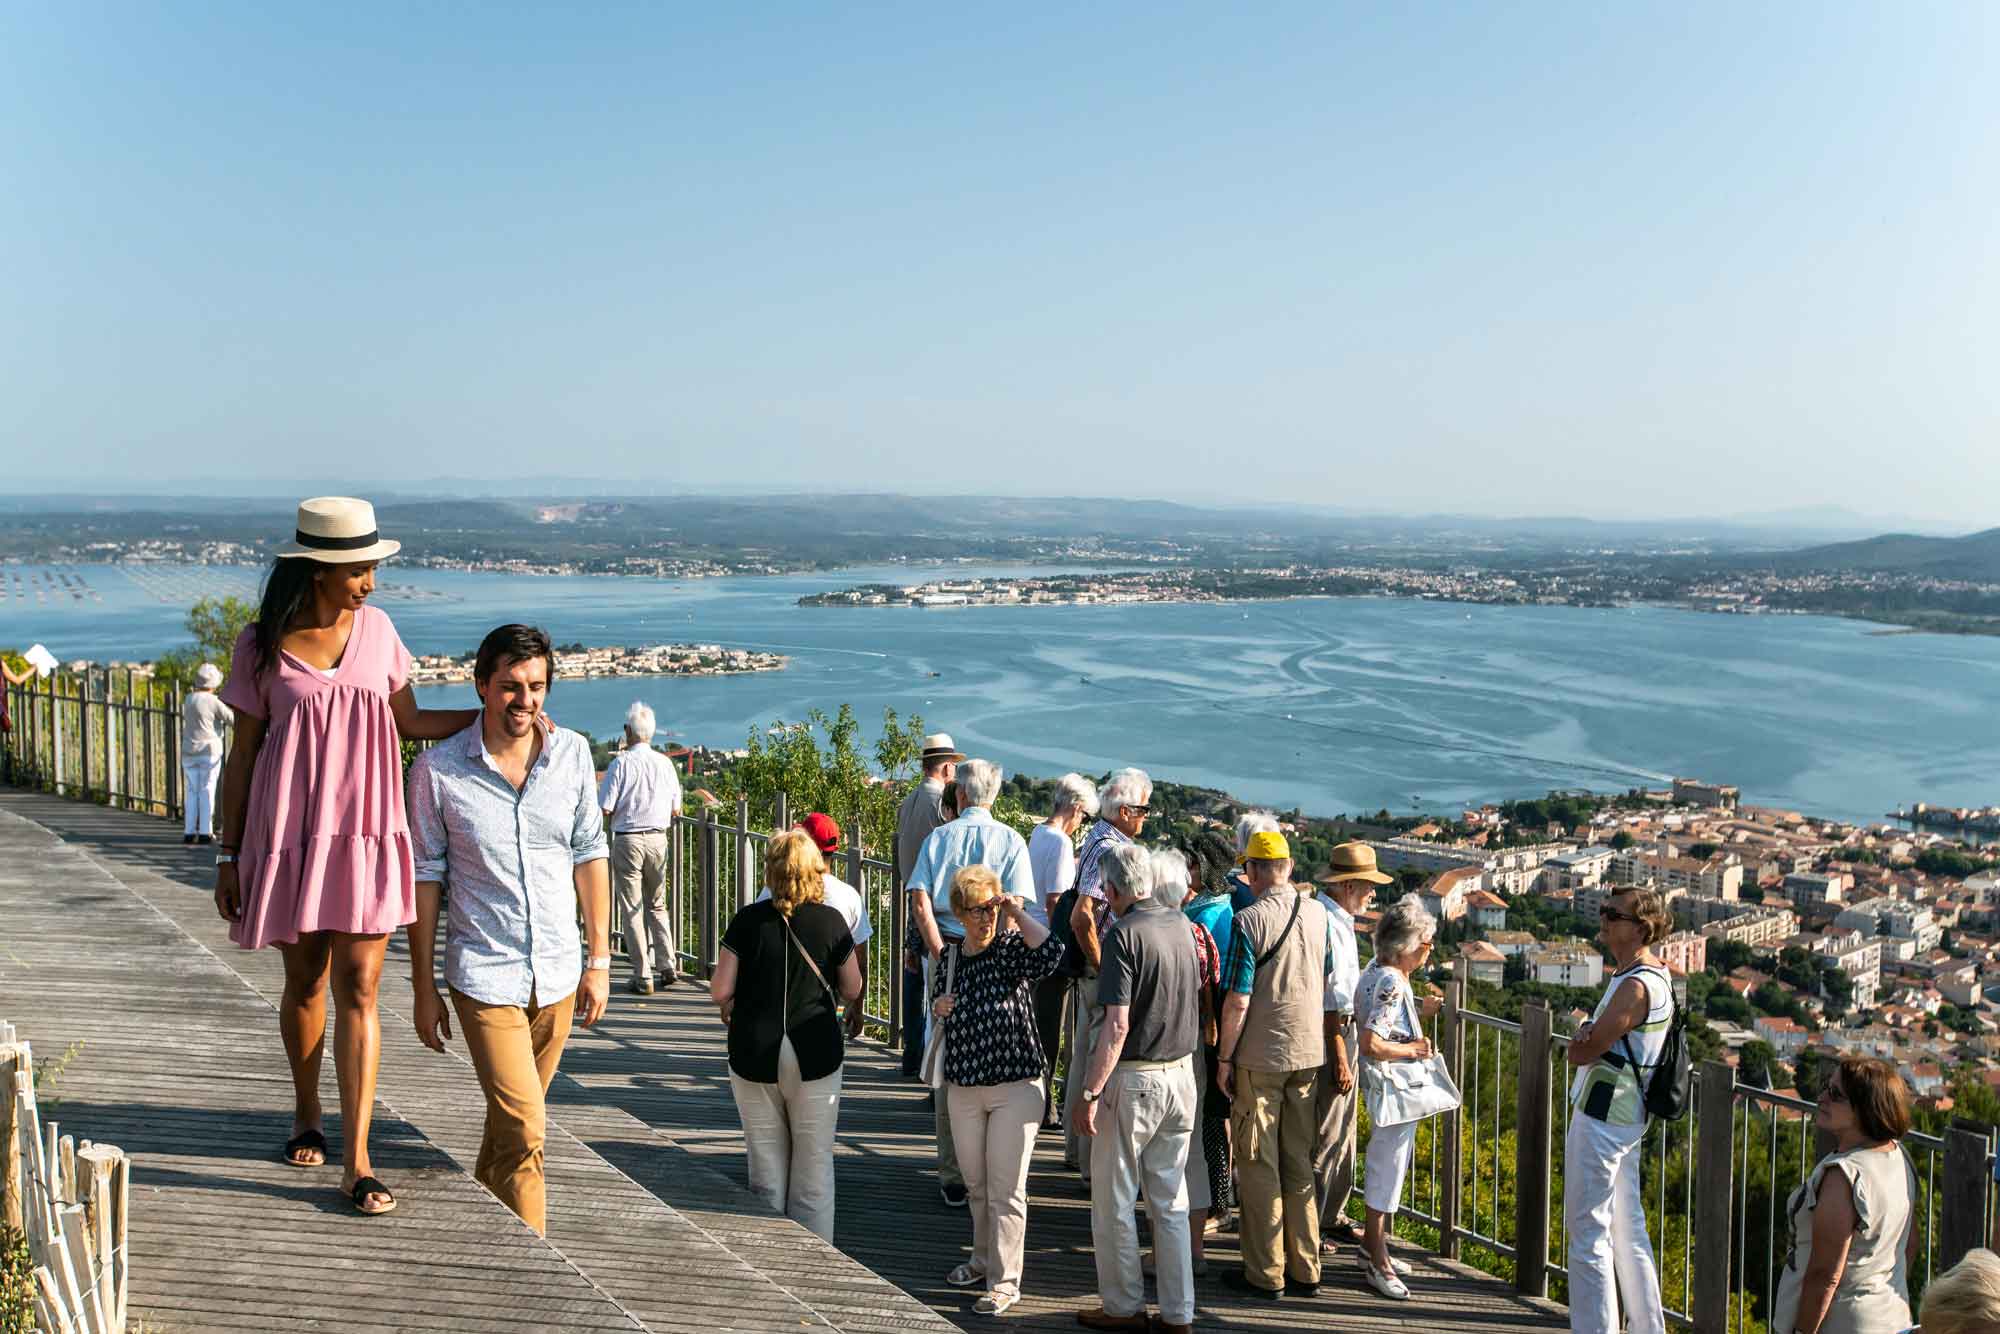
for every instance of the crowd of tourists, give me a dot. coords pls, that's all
(1218, 1034)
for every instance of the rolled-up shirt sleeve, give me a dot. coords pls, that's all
(430, 844)
(587, 842)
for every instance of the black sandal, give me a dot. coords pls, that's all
(306, 1139)
(365, 1187)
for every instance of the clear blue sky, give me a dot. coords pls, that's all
(1618, 259)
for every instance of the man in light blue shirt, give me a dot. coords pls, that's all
(975, 838)
(506, 829)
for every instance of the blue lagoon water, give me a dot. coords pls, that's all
(1331, 705)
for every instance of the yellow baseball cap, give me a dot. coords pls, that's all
(1266, 846)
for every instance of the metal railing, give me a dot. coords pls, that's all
(105, 734)
(1487, 1183)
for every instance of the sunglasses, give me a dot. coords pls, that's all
(1833, 1092)
(1139, 810)
(1613, 915)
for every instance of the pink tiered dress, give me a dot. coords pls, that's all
(326, 846)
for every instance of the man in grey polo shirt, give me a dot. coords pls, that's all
(1139, 1099)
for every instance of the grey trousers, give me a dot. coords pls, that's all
(947, 1152)
(639, 874)
(1333, 1154)
(1086, 1022)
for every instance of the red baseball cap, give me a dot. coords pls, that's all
(822, 830)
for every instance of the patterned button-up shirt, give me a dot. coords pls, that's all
(506, 860)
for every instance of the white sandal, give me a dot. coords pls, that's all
(996, 1303)
(1387, 1284)
(967, 1275)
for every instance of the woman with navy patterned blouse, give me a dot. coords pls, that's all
(993, 1072)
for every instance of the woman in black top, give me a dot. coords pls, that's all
(775, 979)
(993, 1071)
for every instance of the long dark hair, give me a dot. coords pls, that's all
(287, 589)
(1212, 859)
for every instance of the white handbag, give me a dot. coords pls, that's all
(1398, 1092)
(932, 1068)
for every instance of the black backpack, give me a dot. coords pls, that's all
(1669, 1091)
(1060, 928)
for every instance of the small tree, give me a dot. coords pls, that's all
(215, 624)
(1757, 1062)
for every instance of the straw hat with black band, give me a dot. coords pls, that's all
(338, 530)
(1355, 861)
(938, 749)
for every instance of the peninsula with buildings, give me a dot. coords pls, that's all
(576, 661)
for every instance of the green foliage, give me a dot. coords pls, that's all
(1757, 1065)
(1701, 852)
(1622, 840)
(818, 765)
(1811, 1070)
(214, 623)
(1951, 862)
(17, 1284)
(1726, 956)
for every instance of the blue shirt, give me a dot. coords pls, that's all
(973, 839)
(1218, 915)
(506, 860)
(1241, 895)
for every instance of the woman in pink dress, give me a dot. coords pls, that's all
(315, 855)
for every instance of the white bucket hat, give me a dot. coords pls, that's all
(208, 676)
(338, 530)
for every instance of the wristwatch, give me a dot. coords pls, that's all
(225, 859)
(1092, 1095)
(602, 963)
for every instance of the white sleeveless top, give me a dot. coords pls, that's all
(1644, 1043)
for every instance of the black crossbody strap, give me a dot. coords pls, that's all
(799, 945)
(1298, 902)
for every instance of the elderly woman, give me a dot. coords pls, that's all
(1964, 1299)
(1852, 1239)
(993, 1070)
(782, 961)
(203, 719)
(1390, 1024)
(1052, 858)
(1609, 1254)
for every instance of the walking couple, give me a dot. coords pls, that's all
(321, 858)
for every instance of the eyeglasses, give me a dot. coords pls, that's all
(1611, 914)
(1139, 810)
(986, 909)
(1833, 1092)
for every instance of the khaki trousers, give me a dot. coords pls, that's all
(788, 1135)
(1144, 1127)
(1272, 1124)
(995, 1126)
(639, 874)
(1333, 1156)
(515, 1049)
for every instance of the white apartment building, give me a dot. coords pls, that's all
(1758, 927)
(1694, 792)
(1811, 889)
(1567, 964)
(1575, 870)
(1859, 958)
(1505, 871)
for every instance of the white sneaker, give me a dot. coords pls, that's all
(996, 1303)
(967, 1275)
(1387, 1284)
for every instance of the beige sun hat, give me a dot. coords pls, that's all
(338, 530)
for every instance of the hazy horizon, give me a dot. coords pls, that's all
(1640, 264)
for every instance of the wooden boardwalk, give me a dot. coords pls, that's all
(108, 938)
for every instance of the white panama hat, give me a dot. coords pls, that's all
(338, 530)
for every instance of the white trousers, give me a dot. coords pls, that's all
(198, 776)
(1610, 1254)
(788, 1135)
(1390, 1152)
(994, 1126)
(1145, 1123)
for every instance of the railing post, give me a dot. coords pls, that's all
(1451, 1042)
(783, 814)
(677, 901)
(175, 796)
(745, 883)
(83, 692)
(1715, 1128)
(710, 889)
(55, 735)
(1962, 1222)
(1532, 1159)
(898, 926)
(147, 715)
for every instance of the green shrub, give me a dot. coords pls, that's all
(17, 1284)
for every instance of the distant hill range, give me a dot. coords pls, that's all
(1975, 557)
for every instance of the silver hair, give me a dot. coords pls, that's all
(1128, 869)
(1404, 926)
(978, 782)
(1171, 873)
(1074, 792)
(1127, 787)
(639, 722)
(1253, 822)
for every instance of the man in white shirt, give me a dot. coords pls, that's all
(1350, 885)
(640, 795)
(844, 899)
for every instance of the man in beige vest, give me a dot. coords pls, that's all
(1272, 1044)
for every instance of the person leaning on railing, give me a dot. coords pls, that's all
(1853, 1242)
(1616, 1052)
(1964, 1299)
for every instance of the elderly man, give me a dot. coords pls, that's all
(1271, 1046)
(640, 795)
(922, 811)
(1241, 895)
(504, 826)
(1139, 1097)
(975, 838)
(1122, 806)
(1350, 884)
(1052, 857)
(844, 899)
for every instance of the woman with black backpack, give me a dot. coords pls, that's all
(1617, 1053)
